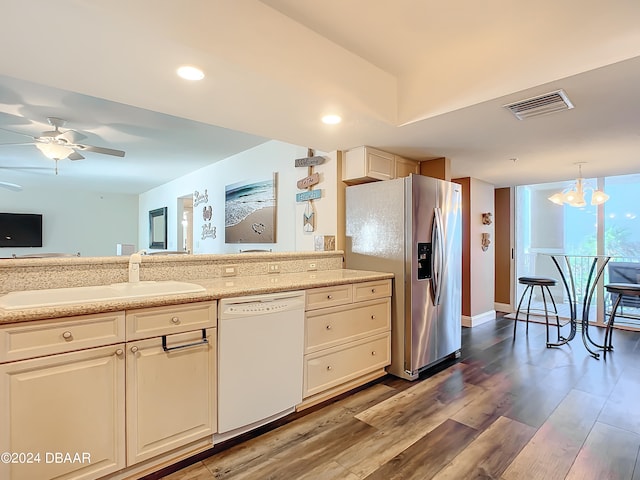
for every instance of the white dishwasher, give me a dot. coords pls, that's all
(260, 359)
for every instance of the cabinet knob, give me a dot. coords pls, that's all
(328, 327)
(373, 290)
(329, 297)
(175, 320)
(329, 368)
(67, 335)
(134, 349)
(373, 353)
(119, 352)
(373, 317)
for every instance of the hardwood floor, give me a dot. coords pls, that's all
(507, 409)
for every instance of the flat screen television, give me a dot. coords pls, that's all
(20, 230)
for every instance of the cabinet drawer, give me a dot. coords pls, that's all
(157, 321)
(331, 367)
(371, 290)
(329, 296)
(333, 326)
(19, 341)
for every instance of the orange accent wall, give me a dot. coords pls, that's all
(503, 245)
(466, 244)
(436, 168)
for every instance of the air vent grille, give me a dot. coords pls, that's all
(540, 105)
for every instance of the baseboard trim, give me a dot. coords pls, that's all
(476, 320)
(503, 307)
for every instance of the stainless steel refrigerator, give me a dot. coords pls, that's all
(412, 227)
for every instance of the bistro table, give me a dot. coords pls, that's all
(598, 264)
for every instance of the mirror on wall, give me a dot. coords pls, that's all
(158, 228)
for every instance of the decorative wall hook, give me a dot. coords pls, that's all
(486, 218)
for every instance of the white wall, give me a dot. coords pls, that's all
(257, 163)
(91, 223)
(482, 262)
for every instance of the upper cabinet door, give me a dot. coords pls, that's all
(405, 167)
(366, 164)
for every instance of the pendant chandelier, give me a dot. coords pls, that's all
(574, 196)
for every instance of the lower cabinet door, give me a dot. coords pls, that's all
(171, 393)
(62, 416)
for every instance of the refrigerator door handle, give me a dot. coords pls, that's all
(438, 249)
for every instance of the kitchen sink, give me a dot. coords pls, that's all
(77, 295)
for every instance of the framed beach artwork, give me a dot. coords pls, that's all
(250, 211)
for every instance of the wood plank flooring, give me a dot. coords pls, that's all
(506, 409)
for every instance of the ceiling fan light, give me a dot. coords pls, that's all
(54, 151)
(598, 197)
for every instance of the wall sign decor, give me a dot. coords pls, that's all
(309, 161)
(250, 211)
(486, 241)
(309, 216)
(208, 231)
(207, 213)
(199, 198)
(309, 181)
(310, 195)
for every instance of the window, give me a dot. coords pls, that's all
(544, 228)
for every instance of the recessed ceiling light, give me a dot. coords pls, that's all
(190, 73)
(331, 119)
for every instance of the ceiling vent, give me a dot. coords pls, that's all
(540, 105)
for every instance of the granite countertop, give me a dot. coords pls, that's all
(215, 288)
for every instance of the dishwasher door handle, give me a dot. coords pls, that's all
(204, 341)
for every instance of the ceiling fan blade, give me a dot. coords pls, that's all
(17, 133)
(25, 168)
(71, 136)
(75, 156)
(106, 151)
(11, 186)
(14, 144)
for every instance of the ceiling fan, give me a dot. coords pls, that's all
(58, 145)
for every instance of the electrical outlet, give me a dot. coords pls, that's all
(312, 266)
(229, 270)
(273, 268)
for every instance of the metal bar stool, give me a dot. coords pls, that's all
(621, 290)
(544, 283)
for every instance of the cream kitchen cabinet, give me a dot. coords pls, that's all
(171, 392)
(405, 167)
(115, 391)
(64, 413)
(366, 164)
(347, 344)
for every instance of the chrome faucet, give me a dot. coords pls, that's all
(134, 266)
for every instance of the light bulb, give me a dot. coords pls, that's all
(557, 198)
(190, 73)
(54, 151)
(598, 197)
